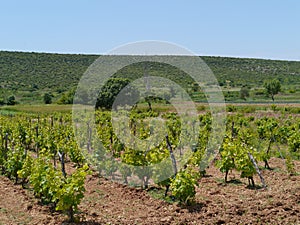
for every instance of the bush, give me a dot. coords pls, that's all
(231, 108)
(244, 93)
(11, 100)
(47, 98)
(67, 97)
(2, 102)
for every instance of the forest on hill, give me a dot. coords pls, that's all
(28, 76)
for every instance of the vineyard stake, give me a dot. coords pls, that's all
(172, 155)
(257, 170)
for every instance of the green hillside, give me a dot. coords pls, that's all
(29, 75)
(253, 71)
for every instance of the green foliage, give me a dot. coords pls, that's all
(231, 95)
(236, 148)
(47, 98)
(71, 191)
(11, 100)
(51, 186)
(228, 153)
(44, 179)
(184, 186)
(244, 135)
(75, 152)
(234, 155)
(2, 101)
(40, 71)
(110, 91)
(29, 75)
(294, 141)
(14, 163)
(290, 166)
(67, 97)
(272, 87)
(244, 163)
(252, 72)
(244, 92)
(19, 135)
(294, 144)
(25, 172)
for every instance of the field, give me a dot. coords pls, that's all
(38, 146)
(97, 163)
(106, 202)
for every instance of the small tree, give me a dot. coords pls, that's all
(47, 98)
(272, 87)
(244, 92)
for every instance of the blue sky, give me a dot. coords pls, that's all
(257, 28)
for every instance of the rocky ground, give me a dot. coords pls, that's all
(106, 202)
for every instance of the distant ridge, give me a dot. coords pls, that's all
(22, 73)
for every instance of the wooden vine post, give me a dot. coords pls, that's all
(5, 146)
(257, 170)
(89, 136)
(172, 156)
(37, 142)
(173, 163)
(62, 161)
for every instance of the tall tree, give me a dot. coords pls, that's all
(272, 87)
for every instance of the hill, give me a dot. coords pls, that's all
(29, 75)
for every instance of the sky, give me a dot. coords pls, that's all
(237, 28)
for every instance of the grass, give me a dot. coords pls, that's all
(158, 107)
(35, 109)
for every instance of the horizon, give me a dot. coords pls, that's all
(99, 54)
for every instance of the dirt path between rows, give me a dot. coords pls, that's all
(216, 202)
(18, 206)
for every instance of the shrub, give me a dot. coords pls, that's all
(11, 100)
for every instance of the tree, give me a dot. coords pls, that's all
(244, 92)
(47, 98)
(272, 87)
(111, 90)
(11, 100)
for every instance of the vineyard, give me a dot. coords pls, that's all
(41, 154)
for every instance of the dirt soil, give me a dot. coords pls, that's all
(106, 202)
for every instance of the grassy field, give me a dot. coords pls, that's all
(242, 107)
(35, 109)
